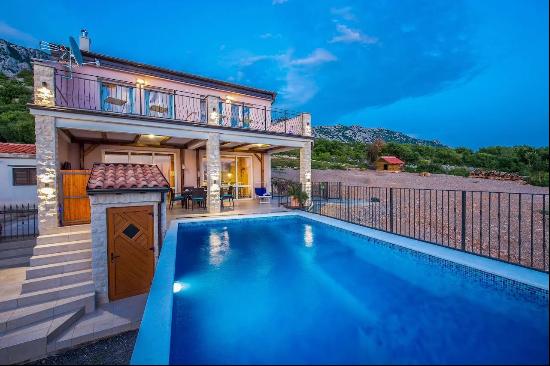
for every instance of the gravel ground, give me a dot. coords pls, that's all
(411, 180)
(116, 350)
(430, 209)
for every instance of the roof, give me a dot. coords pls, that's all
(392, 160)
(109, 178)
(136, 67)
(9, 148)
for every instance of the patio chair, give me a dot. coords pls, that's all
(229, 196)
(198, 195)
(262, 195)
(177, 197)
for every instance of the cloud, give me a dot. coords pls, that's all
(347, 35)
(294, 76)
(317, 57)
(270, 35)
(14, 34)
(344, 13)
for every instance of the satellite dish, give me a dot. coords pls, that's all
(69, 57)
(75, 52)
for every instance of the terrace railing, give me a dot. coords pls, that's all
(87, 92)
(18, 221)
(511, 227)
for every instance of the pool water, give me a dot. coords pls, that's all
(294, 290)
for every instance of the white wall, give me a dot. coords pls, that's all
(15, 194)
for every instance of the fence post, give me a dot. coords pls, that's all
(347, 203)
(463, 221)
(391, 210)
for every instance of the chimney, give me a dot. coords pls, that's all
(85, 42)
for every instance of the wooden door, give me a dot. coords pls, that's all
(130, 250)
(75, 201)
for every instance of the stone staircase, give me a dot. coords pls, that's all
(16, 253)
(57, 291)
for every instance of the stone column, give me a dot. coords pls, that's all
(305, 169)
(213, 112)
(46, 173)
(213, 170)
(44, 84)
(306, 124)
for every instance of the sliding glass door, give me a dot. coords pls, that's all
(236, 171)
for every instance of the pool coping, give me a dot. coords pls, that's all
(153, 341)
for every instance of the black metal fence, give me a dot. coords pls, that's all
(18, 221)
(512, 227)
(87, 92)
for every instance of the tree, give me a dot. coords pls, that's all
(374, 150)
(16, 123)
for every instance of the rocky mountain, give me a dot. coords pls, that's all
(14, 58)
(367, 135)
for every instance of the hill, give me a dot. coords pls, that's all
(367, 135)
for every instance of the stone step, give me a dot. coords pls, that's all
(20, 317)
(58, 268)
(15, 262)
(15, 244)
(69, 246)
(63, 237)
(30, 342)
(63, 279)
(16, 252)
(40, 260)
(47, 295)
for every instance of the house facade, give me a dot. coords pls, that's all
(17, 174)
(200, 132)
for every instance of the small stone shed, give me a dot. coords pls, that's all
(128, 222)
(389, 163)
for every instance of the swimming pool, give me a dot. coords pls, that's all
(290, 289)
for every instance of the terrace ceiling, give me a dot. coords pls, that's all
(144, 140)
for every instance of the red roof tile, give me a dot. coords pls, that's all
(9, 148)
(104, 177)
(392, 160)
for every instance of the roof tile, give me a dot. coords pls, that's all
(10, 148)
(126, 177)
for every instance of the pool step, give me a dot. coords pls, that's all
(31, 341)
(20, 317)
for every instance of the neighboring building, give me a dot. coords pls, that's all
(17, 173)
(389, 163)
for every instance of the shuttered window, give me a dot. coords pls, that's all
(24, 176)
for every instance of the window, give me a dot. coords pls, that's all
(117, 98)
(24, 176)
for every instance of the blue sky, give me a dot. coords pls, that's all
(468, 73)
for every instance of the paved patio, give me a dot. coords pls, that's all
(243, 207)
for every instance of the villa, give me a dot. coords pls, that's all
(167, 133)
(155, 212)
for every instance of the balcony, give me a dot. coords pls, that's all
(89, 93)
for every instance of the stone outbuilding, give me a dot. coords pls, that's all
(128, 221)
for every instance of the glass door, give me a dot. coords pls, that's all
(236, 172)
(244, 176)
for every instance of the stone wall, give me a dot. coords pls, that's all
(46, 173)
(305, 169)
(213, 169)
(99, 204)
